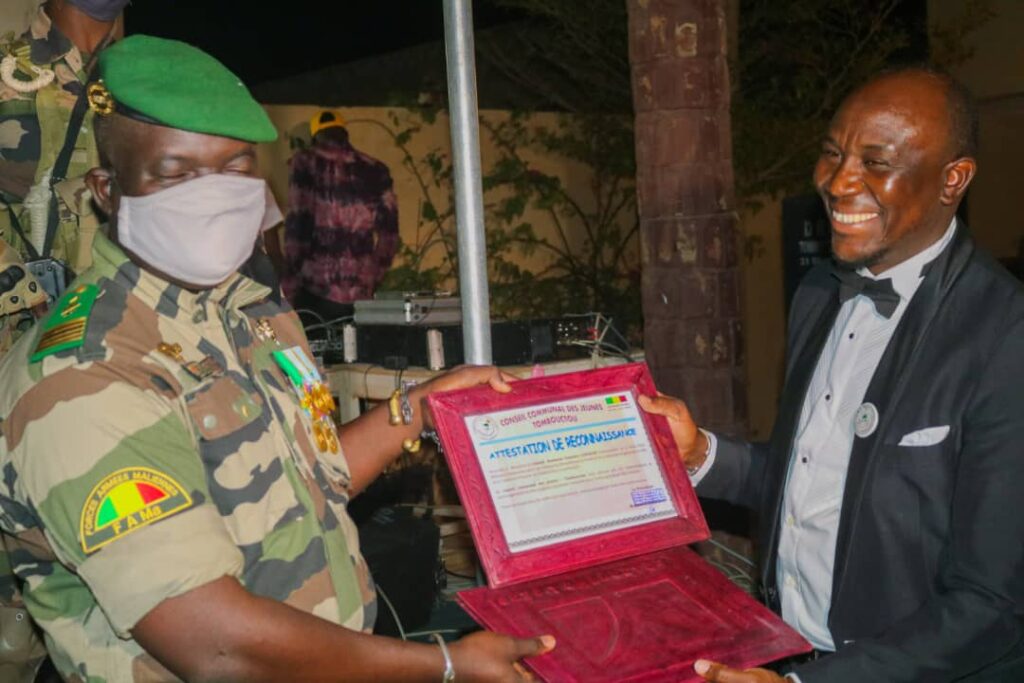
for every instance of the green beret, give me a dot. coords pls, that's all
(174, 84)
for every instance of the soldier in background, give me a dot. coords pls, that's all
(42, 76)
(174, 488)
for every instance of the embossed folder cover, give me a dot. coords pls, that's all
(580, 509)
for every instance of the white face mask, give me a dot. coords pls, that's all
(199, 231)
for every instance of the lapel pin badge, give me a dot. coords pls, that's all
(866, 420)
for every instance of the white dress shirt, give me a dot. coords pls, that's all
(822, 445)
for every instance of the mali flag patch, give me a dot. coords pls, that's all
(127, 500)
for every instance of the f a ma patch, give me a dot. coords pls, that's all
(127, 500)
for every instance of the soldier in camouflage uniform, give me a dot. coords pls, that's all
(41, 75)
(172, 479)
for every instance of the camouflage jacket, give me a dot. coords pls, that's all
(33, 126)
(163, 451)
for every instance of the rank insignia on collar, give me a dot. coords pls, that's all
(264, 330)
(170, 350)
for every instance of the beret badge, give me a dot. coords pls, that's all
(100, 99)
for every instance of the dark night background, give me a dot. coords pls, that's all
(262, 41)
(268, 44)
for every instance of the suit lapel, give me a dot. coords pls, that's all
(889, 382)
(800, 370)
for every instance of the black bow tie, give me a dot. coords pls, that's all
(880, 292)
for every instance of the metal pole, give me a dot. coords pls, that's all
(469, 204)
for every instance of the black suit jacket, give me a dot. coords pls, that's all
(928, 583)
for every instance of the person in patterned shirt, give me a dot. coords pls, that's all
(341, 231)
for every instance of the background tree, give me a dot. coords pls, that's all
(589, 248)
(793, 62)
(797, 59)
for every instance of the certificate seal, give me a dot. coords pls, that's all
(485, 427)
(866, 420)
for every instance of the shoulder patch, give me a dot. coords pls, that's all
(65, 327)
(126, 501)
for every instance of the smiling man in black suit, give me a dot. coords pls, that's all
(891, 529)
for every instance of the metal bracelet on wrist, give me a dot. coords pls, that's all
(399, 405)
(406, 405)
(449, 669)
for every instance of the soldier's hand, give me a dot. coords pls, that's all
(463, 377)
(713, 671)
(487, 657)
(691, 443)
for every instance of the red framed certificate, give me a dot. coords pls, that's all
(566, 472)
(579, 506)
(645, 619)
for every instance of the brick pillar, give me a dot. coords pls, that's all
(691, 276)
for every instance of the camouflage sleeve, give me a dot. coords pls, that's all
(21, 648)
(113, 474)
(20, 140)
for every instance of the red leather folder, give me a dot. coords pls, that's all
(631, 604)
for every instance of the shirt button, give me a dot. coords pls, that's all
(828, 397)
(790, 520)
(790, 581)
(851, 335)
(210, 421)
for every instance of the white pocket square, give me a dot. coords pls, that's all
(925, 437)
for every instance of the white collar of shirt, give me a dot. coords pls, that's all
(907, 276)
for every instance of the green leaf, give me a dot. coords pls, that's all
(429, 212)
